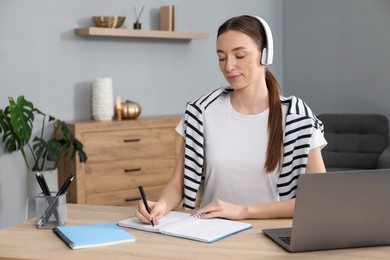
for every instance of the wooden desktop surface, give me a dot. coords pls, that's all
(24, 241)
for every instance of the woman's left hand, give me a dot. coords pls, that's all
(222, 209)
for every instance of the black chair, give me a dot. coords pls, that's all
(356, 141)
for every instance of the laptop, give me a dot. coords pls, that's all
(338, 210)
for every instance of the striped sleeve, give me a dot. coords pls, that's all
(194, 145)
(300, 124)
(194, 154)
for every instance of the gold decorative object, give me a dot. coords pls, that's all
(109, 21)
(118, 108)
(130, 110)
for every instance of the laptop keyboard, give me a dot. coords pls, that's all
(285, 239)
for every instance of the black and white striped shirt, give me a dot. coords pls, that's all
(300, 125)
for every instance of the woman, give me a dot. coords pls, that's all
(245, 145)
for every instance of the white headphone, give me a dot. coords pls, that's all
(267, 54)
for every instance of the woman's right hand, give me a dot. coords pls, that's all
(170, 197)
(157, 211)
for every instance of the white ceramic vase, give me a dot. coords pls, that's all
(102, 99)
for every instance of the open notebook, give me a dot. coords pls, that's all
(184, 225)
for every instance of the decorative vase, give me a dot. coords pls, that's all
(102, 99)
(130, 110)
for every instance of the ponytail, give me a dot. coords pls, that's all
(275, 128)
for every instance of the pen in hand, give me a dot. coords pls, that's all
(143, 196)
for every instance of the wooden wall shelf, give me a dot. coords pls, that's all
(108, 32)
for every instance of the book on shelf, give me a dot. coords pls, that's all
(93, 235)
(185, 225)
(167, 18)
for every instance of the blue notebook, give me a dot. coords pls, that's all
(93, 235)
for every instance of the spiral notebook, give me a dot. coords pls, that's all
(184, 225)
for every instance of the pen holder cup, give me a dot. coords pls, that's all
(51, 211)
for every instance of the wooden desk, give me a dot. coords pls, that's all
(24, 241)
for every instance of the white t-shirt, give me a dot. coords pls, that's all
(235, 152)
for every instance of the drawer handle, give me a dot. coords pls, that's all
(131, 200)
(132, 140)
(133, 170)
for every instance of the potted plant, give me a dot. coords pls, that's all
(16, 130)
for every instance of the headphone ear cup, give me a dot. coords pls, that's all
(264, 57)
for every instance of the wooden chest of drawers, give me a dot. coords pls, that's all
(121, 156)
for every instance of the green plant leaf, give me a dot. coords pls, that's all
(22, 117)
(10, 139)
(70, 143)
(46, 149)
(16, 124)
(51, 118)
(79, 149)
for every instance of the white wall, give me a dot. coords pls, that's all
(336, 54)
(42, 58)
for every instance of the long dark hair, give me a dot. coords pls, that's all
(252, 27)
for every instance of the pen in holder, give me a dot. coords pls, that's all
(49, 204)
(46, 206)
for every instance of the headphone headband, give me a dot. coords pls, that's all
(267, 54)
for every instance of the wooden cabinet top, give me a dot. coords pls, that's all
(142, 122)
